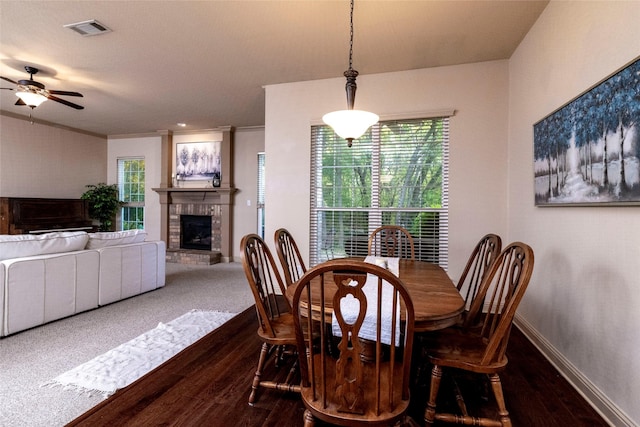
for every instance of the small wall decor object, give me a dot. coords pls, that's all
(198, 161)
(216, 179)
(588, 151)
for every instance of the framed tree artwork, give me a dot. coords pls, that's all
(198, 161)
(588, 151)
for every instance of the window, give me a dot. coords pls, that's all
(397, 173)
(131, 188)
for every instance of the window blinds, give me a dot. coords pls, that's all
(397, 173)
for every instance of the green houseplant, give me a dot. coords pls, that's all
(103, 203)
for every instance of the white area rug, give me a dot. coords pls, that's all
(126, 363)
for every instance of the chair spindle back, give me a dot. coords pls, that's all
(264, 279)
(499, 296)
(355, 384)
(391, 241)
(479, 263)
(291, 260)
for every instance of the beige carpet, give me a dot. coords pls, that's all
(31, 358)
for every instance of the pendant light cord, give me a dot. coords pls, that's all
(351, 74)
(351, 38)
(350, 124)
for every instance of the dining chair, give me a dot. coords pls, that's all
(346, 387)
(391, 241)
(275, 329)
(480, 261)
(291, 261)
(482, 351)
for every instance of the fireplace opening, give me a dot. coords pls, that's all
(195, 232)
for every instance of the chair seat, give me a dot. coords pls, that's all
(461, 349)
(387, 417)
(284, 331)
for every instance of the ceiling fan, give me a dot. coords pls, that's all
(32, 93)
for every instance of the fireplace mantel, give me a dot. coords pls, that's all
(178, 199)
(214, 195)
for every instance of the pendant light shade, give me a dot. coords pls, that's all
(350, 124)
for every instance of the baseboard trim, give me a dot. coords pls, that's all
(611, 413)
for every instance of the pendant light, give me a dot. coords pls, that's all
(350, 124)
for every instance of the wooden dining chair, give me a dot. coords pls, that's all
(480, 261)
(391, 241)
(291, 261)
(482, 351)
(345, 387)
(275, 321)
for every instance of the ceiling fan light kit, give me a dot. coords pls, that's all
(32, 93)
(350, 124)
(30, 98)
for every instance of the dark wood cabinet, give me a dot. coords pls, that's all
(22, 215)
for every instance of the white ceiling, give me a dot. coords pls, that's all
(205, 62)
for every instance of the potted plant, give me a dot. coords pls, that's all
(103, 203)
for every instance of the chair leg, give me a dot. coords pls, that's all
(430, 411)
(279, 355)
(496, 385)
(256, 379)
(459, 398)
(309, 421)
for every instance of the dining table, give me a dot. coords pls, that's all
(437, 303)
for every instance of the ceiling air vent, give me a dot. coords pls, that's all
(88, 28)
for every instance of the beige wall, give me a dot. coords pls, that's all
(148, 148)
(37, 160)
(248, 143)
(583, 303)
(477, 92)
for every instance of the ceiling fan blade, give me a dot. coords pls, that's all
(62, 101)
(9, 80)
(6, 88)
(19, 102)
(64, 92)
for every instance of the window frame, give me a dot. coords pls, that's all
(322, 243)
(137, 205)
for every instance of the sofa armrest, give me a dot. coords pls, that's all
(43, 288)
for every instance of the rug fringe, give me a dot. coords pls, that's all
(78, 389)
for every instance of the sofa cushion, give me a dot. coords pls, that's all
(113, 238)
(24, 245)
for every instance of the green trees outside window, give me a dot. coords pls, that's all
(131, 187)
(395, 174)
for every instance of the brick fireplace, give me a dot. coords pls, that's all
(197, 199)
(213, 203)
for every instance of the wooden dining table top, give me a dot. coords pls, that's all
(437, 303)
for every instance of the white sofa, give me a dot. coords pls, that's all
(54, 275)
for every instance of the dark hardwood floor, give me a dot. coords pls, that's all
(208, 384)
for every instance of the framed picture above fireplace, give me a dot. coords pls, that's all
(198, 161)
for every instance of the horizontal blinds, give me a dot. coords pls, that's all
(261, 183)
(395, 174)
